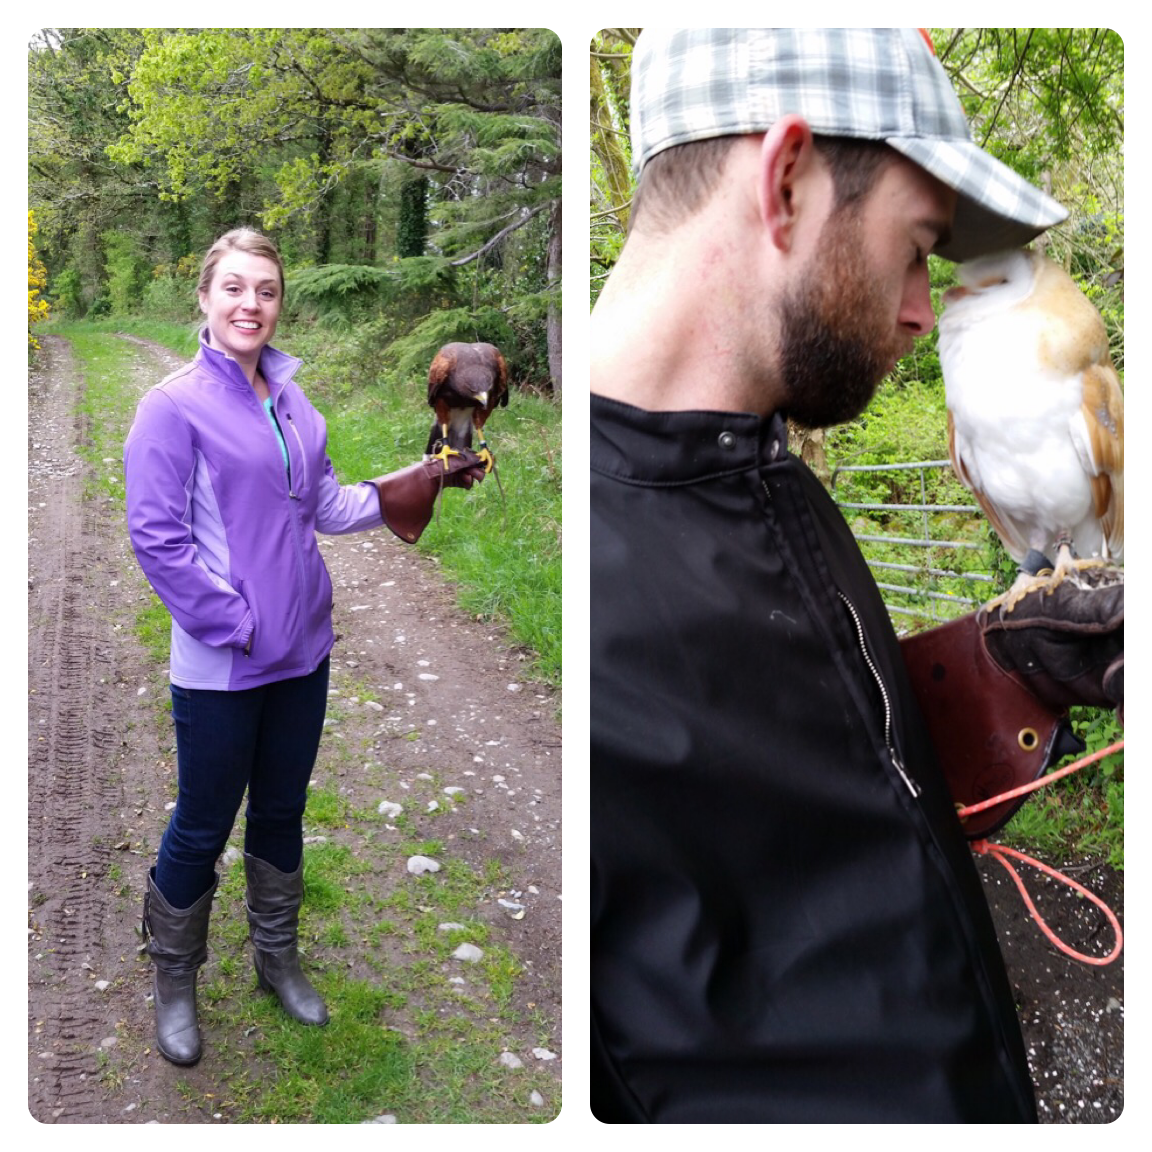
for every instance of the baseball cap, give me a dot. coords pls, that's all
(867, 83)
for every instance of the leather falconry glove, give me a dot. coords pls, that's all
(995, 688)
(1067, 644)
(408, 497)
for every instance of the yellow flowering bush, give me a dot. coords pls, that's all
(37, 281)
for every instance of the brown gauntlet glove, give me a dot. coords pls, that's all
(1066, 645)
(408, 497)
(995, 688)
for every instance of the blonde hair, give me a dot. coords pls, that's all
(238, 240)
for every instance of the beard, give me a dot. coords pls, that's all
(837, 340)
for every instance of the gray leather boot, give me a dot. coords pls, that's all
(177, 941)
(273, 917)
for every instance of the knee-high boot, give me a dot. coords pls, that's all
(177, 941)
(274, 899)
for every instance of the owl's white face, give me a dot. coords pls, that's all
(991, 283)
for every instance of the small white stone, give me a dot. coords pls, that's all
(449, 926)
(453, 791)
(468, 952)
(390, 809)
(374, 705)
(536, 1100)
(433, 805)
(427, 676)
(511, 1060)
(543, 1054)
(513, 687)
(418, 865)
(102, 985)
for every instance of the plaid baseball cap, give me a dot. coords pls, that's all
(867, 83)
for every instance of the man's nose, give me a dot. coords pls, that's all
(916, 312)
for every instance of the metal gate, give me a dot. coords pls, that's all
(936, 564)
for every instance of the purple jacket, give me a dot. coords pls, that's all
(226, 536)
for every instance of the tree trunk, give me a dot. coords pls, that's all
(555, 251)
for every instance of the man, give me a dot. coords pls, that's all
(787, 923)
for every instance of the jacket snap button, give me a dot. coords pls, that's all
(727, 440)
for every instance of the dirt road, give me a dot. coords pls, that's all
(423, 697)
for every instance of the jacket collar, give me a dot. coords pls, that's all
(276, 367)
(643, 447)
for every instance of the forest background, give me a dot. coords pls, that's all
(1049, 103)
(411, 179)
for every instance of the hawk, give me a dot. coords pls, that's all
(1035, 414)
(465, 383)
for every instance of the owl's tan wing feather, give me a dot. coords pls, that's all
(1103, 411)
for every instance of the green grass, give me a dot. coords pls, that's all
(402, 1039)
(1083, 814)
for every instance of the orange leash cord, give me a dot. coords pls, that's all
(1001, 853)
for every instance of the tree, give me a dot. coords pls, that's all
(610, 64)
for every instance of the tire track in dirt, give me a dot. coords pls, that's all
(70, 743)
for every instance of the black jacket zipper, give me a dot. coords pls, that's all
(897, 763)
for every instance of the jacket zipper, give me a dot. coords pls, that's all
(303, 455)
(296, 531)
(897, 763)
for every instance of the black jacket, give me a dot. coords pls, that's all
(787, 924)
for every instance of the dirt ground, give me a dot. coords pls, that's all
(101, 768)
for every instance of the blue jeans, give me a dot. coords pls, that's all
(264, 739)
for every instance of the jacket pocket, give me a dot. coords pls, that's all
(242, 589)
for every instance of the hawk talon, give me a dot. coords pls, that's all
(443, 454)
(486, 457)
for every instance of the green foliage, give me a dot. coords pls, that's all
(412, 227)
(170, 294)
(66, 293)
(124, 266)
(611, 196)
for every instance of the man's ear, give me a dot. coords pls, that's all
(787, 156)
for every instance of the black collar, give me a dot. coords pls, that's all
(658, 448)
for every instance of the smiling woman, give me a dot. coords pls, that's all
(228, 482)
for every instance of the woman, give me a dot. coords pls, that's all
(228, 482)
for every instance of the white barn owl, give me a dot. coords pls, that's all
(1035, 411)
